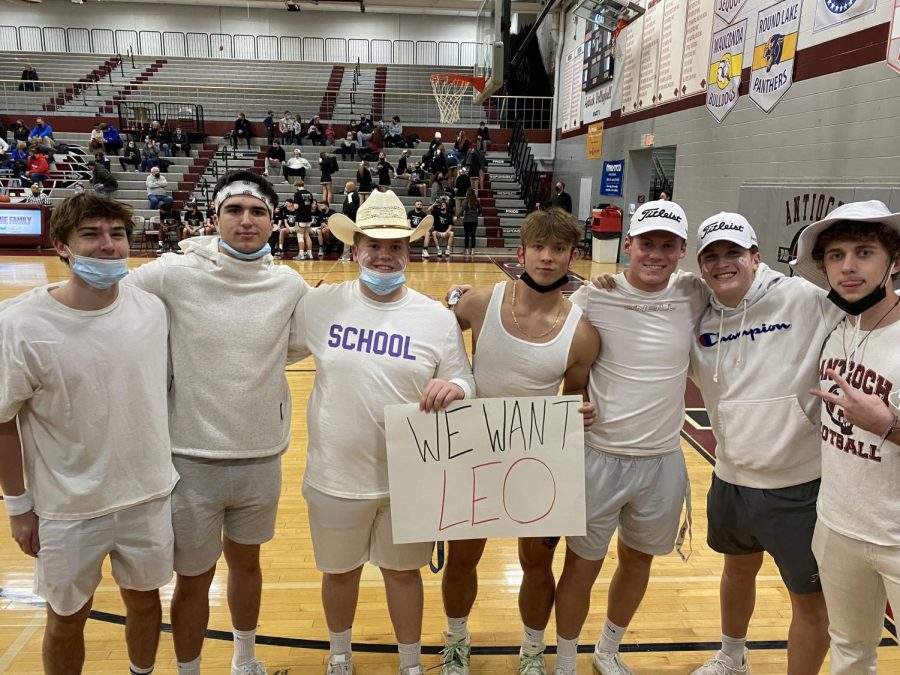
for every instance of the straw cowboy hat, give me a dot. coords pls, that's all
(382, 216)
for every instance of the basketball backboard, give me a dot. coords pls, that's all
(607, 13)
(492, 36)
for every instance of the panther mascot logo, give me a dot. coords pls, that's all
(774, 48)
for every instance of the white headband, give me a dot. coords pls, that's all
(242, 187)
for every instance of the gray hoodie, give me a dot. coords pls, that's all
(755, 364)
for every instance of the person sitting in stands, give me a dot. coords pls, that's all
(274, 160)
(181, 143)
(269, 124)
(96, 141)
(348, 146)
(42, 133)
(29, 79)
(295, 166)
(169, 222)
(130, 156)
(323, 233)
(102, 180)
(157, 192)
(149, 155)
(364, 130)
(102, 160)
(314, 132)
(417, 182)
(394, 137)
(194, 222)
(19, 131)
(483, 139)
(112, 138)
(38, 169)
(19, 158)
(329, 135)
(298, 131)
(241, 131)
(161, 136)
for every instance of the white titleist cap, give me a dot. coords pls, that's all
(724, 226)
(659, 216)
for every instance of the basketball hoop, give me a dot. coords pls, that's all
(449, 89)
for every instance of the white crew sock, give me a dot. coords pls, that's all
(244, 647)
(733, 648)
(135, 670)
(410, 655)
(340, 642)
(457, 629)
(189, 668)
(611, 637)
(533, 641)
(566, 653)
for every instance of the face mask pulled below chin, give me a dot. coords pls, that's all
(99, 273)
(255, 255)
(382, 283)
(857, 307)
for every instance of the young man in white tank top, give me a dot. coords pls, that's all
(527, 340)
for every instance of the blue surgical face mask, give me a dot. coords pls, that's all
(256, 255)
(381, 283)
(100, 273)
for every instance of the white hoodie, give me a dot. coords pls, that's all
(229, 324)
(755, 364)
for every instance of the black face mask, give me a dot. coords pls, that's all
(857, 307)
(532, 284)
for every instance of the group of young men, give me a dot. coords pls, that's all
(151, 461)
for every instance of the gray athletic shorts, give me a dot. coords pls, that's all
(745, 520)
(641, 496)
(237, 497)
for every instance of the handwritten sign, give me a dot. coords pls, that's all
(483, 468)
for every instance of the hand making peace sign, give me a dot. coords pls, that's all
(866, 411)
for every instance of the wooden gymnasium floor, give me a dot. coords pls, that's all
(674, 631)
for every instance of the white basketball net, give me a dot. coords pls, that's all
(448, 92)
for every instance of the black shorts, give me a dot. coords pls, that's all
(743, 520)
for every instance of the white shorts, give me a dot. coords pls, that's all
(237, 497)
(641, 496)
(347, 533)
(138, 540)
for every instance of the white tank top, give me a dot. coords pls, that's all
(505, 365)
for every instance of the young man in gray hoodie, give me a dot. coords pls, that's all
(754, 358)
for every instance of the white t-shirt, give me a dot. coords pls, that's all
(89, 388)
(859, 492)
(637, 382)
(369, 355)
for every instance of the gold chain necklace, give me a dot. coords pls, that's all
(522, 330)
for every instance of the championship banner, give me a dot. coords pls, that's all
(772, 72)
(726, 59)
(594, 144)
(893, 54)
(597, 104)
(485, 468)
(727, 10)
(833, 12)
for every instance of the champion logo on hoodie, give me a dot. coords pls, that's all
(712, 339)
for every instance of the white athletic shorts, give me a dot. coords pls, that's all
(347, 533)
(237, 497)
(641, 496)
(138, 540)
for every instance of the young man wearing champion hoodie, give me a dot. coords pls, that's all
(855, 252)
(754, 358)
(229, 310)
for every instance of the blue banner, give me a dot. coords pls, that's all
(611, 180)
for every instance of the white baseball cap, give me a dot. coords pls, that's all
(724, 226)
(872, 211)
(659, 216)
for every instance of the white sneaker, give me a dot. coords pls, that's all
(559, 670)
(532, 664)
(722, 664)
(455, 656)
(609, 663)
(255, 667)
(340, 664)
(425, 253)
(321, 252)
(309, 255)
(412, 670)
(300, 256)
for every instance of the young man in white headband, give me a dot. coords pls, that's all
(766, 479)
(854, 253)
(230, 309)
(376, 343)
(84, 366)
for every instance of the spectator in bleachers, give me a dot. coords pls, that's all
(299, 132)
(289, 224)
(462, 186)
(130, 156)
(286, 128)
(364, 180)
(194, 222)
(38, 169)
(181, 142)
(402, 171)
(169, 224)
(350, 207)
(269, 124)
(29, 79)
(329, 135)
(348, 146)
(96, 142)
(149, 155)
(36, 196)
(483, 139)
(112, 138)
(462, 145)
(475, 163)
(19, 157)
(436, 141)
(241, 131)
(101, 179)
(471, 211)
(78, 188)
(450, 186)
(323, 233)
(417, 182)
(42, 132)
(439, 164)
(364, 130)
(161, 136)
(443, 228)
(314, 133)
(394, 137)
(376, 143)
(157, 189)
(274, 160)
(384, 169)
(211, 219)
(416, 215)
(327, 165)
(102, 160)
(19, 131)
(296, 165)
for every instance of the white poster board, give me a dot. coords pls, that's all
(486, 468)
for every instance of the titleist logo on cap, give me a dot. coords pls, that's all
(659, 213)
(721, 225)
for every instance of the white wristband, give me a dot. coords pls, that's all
(16, 506)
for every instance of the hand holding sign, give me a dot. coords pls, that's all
(866, 411)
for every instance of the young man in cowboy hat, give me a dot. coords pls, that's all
(376, 343)
(528, 339)
(854, 253)
(225, 295)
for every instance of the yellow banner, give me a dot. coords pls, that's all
(595, 141)
(787, 53)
